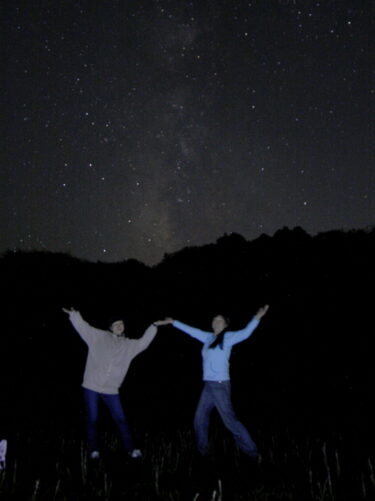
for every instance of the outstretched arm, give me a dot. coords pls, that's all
(202, 336)
(232, 338)
(84, 329)
(142, 343)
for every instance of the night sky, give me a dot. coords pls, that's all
(134, 128)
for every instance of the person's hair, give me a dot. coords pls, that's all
(115, 317)
(219, 339)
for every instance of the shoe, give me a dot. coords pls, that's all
(135, 453)
(94, 455)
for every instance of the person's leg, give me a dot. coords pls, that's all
(115, 407)
(202, 418)
(92, 412)
(222, 400)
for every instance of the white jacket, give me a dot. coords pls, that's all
(109, 356)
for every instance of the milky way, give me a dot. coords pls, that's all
(133, 129)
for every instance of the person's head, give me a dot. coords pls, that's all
(219, 323)
(117, 325)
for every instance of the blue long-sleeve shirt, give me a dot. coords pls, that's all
(216, 360)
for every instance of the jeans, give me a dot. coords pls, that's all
(116, 410)
(218, 394)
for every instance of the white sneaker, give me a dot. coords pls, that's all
(94, 455)
(135, 453)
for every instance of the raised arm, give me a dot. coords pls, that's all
(202, 336)
(234, 337)
(84, 329)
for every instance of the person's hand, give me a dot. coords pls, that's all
(68, 310)
(262, 311)
(166, 321)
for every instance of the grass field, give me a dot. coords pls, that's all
(43, 466)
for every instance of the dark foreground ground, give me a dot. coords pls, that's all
(42, 465)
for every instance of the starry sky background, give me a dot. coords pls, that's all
(135, 128)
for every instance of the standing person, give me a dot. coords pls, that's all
(109, 356)
(217, 346)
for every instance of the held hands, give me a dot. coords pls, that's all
(261, 312)
(166, 321)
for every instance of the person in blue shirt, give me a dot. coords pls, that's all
(216, 393)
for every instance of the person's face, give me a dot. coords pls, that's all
(218, 324)
(118, 327)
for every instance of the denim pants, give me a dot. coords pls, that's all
(218, 394)
(113, 403)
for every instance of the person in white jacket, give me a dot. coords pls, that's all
(110, 354)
